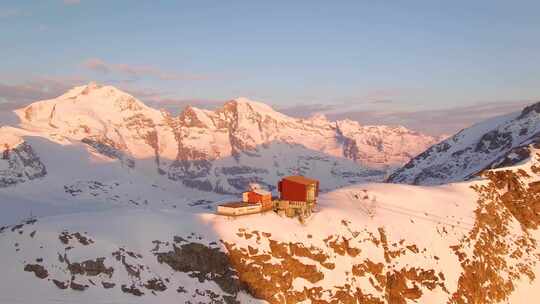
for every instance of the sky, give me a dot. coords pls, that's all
(401, 62)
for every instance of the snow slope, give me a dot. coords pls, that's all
(116, 237)
(362, 238)
(135, 229)
(472, 150)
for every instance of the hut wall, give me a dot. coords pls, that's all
(289, 190)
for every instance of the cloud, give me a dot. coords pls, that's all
(72, 2)
(10, 12)
(13, 96)
(135, 72)
(382, 101)
(434, 122)
(307, 110)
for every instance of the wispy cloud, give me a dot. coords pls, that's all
(435, 122)
(135, 72)
(307, 110)
(10, 12)
(13, 96)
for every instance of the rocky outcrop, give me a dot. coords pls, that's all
(109, 148)
(90, 268)
(19, 163)
(270, 274)
(37, 269)
(495, 255)
(204, 263)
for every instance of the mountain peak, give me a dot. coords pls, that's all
(244, 101)
(318, 117)
(81, 90)
(243, 105)
(92, 85)
(86, 105)
(532, 108)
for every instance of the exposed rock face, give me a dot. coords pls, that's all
(501, 255)
(37, 269)
(270, 274)
(65, 237)
(223, 150)
(90, 268)
(18, 163)
(204, 262)
(132, 290)
(109, 148)
(494, 143)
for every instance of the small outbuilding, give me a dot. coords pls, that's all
(239, 208)
(258, 196)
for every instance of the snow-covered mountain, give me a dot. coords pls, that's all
(223, 150)
(497, 142)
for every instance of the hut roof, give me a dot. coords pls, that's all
(237, 204)
(262, 192)
(301, 179)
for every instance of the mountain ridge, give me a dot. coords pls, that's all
(485, 145)
(197, 146)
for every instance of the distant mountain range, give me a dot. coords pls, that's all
(223, 150)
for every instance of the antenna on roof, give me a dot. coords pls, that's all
(297, 171)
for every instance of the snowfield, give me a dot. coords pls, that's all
(415, 214)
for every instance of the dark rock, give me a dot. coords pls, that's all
(181, 289)
(132, 290)
(155, 284)
(230, 300)
(23, 165)
(37, 269)
(532, 108)
(204, 263)
(109, 148)
(17, 227)
(91, 268)
(60, 284)
(76, 286)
